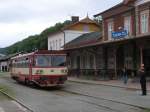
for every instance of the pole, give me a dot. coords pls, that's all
(141, 54)
(115, 53)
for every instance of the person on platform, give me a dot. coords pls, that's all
(143, 80)
(125, 76)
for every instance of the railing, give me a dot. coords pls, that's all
(100, 74)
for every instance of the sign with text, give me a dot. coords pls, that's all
(120, 34)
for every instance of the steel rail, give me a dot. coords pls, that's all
(14, 99)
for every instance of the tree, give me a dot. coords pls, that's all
(35, 41)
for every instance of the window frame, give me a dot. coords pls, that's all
(60, 44)
(128, 24)
(110, 24)
(144, 22)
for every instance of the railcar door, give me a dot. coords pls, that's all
(30, 65)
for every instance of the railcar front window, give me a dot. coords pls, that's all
(48, 61)
(43, 61)
(58, 61)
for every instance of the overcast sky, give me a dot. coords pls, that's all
(22, 18)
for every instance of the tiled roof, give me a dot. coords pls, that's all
(1, 55)
(116, 6)
(123, 3)
(7, 57)
(84, 40)
(86, 20)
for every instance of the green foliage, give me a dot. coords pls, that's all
(2, 51)
(146, 110)
(34, 42)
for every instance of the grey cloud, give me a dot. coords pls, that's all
(21, 11)
(46, 12)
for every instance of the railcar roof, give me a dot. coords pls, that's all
(50, 52)
(22, 55)
(39, 52)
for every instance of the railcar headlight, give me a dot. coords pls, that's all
(62, 71)
(52, 70)
(66, 71)
(39, 72)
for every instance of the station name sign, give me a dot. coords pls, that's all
(120, 34)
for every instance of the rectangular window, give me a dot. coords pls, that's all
(127, 24)
(50, 45)
(60, 45)
(58, 61)
(86, 28)
(72, 62)
(78, 62)
(91, 61)
(50, 61)
(144, 16)
(56, 45)
(110, 29)
(83, 62)
(53, 45)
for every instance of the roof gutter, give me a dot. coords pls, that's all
(109, 9)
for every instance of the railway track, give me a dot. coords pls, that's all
(97, 102)
(20, 104)
(88, 102)
(103, 103)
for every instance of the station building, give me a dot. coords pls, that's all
(4, 64)
(124, 42)
(5, 61)
(58, 39)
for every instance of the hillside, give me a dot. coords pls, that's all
(2, 51)
(33, 42)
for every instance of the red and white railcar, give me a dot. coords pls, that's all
(44, 68)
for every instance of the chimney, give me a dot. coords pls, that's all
(127, 1)
(75, 19)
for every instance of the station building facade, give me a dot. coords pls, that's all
(5, 62)
(124, 41)
(84, 58)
